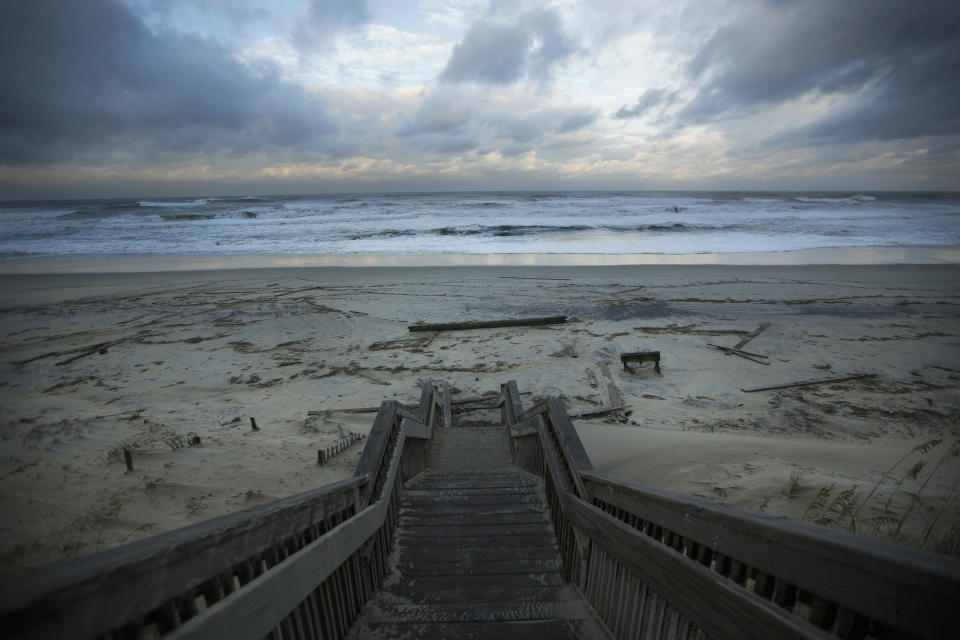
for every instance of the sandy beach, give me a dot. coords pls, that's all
(95, 363)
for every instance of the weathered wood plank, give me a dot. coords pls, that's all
(612, 392)
(525, 630)
(721, 608)
(544, 537)
(445, 517)
(461, 554)
(505, 529)
(512, 405)
(489, 324)
(750, 336)
(891, 583)
(600, 412)
(467, 509)
(507, 567)
(498, 593)
(547, 579)
(447, 415)
(569, 440)
(524, 427)
(374, 451)
(426, 401)
(438, 494)
(471, 499)
(415, 429)
(477, 612)
(807, 383)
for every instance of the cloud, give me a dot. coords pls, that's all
(500, 52)
(89, 82)
(647, 100)
(892, 66)
(323, 19)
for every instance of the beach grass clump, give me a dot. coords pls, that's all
(899, 519)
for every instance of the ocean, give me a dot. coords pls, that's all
(612, 223)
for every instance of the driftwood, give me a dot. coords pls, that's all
(599, 412)
(488, 324)
(612, 391)
(592, 378)
(805, 383)
(753, 334)
(753, 357)
(83, 351)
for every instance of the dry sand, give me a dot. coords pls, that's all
(201, 352)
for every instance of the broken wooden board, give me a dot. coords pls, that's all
(753, 334)
(616, 400)
(753, 357)
(592, 378)
(807, 383)
(599, 412)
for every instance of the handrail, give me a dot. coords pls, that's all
(303, 565)
(880, 580)
(666, 563)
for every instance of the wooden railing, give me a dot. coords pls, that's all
(300, 567)
(655, 563)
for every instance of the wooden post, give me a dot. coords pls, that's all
(128, 458)
(253, 423)
(320, 457)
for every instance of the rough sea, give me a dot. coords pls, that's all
(479, 223)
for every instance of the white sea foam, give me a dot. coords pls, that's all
(481, 223)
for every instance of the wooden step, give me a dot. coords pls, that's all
(412, 502)
(525, 527)
(458, 553)
(471, 582)
(509, 489)
(480, 612)
(525, 630)
(493, 567)
(477, 542)
(485, 594)
(450, 518)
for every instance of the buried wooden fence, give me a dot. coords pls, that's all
(659, 564)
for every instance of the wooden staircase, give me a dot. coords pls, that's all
(475, 553)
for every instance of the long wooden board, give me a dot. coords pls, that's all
(488, 324)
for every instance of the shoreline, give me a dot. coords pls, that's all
(199, 262)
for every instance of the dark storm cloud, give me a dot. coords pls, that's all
(897, 62)
(648, 100)
(324, 18)
(500, 52)
(82, 80)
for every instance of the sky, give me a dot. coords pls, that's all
(115, 98)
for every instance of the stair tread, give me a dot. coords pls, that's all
(477, 612)
(506, 630)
